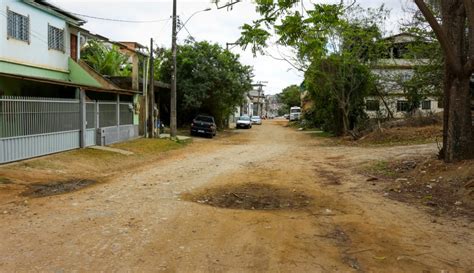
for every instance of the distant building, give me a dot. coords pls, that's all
(272, 105)
(256, 103)
(391, 72)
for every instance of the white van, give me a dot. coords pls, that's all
(295, 113)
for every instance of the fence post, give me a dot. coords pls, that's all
(82, 117)
(96, 117)
(118, 116)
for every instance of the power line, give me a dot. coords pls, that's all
(109, 19)
(120, 20)
(185, 28)
(164, 26)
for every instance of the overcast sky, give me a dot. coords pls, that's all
(217, 25)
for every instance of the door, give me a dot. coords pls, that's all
(74, 47)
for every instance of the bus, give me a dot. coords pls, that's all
(295, 113)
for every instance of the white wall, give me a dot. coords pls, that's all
(390, 79)
(392, 104)
(36, 53)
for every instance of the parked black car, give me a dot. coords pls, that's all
(205, 125)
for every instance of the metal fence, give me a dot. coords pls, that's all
(91, 115)
(126, 114)
(31, 126)
(23, 116)
(107, 113)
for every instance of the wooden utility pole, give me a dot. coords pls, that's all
(173, 118)
(151, 96)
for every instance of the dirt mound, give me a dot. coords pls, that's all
(250, 196)
(401, 135)
(444, 188)
(55, 188)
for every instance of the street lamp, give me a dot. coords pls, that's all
(174, 33)
(189, 18)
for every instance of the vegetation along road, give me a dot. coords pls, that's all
(268, 199)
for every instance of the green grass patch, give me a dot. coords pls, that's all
(5, 181)
(322, 134)
(390, 143)
(294, 124)
(42, 163)
(92, 153)
(144, 146)
(381, 168)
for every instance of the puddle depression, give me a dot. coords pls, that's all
(55, 188)
(250, 196)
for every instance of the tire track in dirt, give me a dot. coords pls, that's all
(140, 221)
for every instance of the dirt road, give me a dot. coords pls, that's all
(269, 199)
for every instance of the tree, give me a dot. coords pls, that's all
(106, 60)
(455, 33)
(333, 43)
(210, 80)
(426, 55)
(338, 86)
(289, 96)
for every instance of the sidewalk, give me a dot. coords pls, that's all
(178, 137)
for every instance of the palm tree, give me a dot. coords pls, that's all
(106, 60)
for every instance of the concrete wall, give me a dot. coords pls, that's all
(390, 78)
(392, 104)
(391, 73)
(36, 53)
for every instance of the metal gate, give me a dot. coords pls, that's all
(31, 126)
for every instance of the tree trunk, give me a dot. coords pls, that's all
(457, 128)
(458, 135)
(345, 120)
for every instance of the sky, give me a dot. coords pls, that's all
(217, 25)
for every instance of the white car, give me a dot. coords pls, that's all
(244, 122)
(256, 120)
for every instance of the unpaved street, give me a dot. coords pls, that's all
(268, 199)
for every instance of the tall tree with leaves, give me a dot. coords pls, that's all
(455, 33)
(290, 96)
(209, 80)
(332, 43)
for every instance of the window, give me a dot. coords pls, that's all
(372, 105)
(402, 106)
(18, 26)
(426, 105)
(406, 76)
(55, 38)
(440, 104)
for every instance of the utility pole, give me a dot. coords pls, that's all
(173, 118)
(151, 96)
(259, 108)
(260, 85)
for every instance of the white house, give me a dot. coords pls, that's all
(391, 72)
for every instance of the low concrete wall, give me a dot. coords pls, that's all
(114, 134)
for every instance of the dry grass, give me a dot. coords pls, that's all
(403, 136)
(81, 164)
(443, 188)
